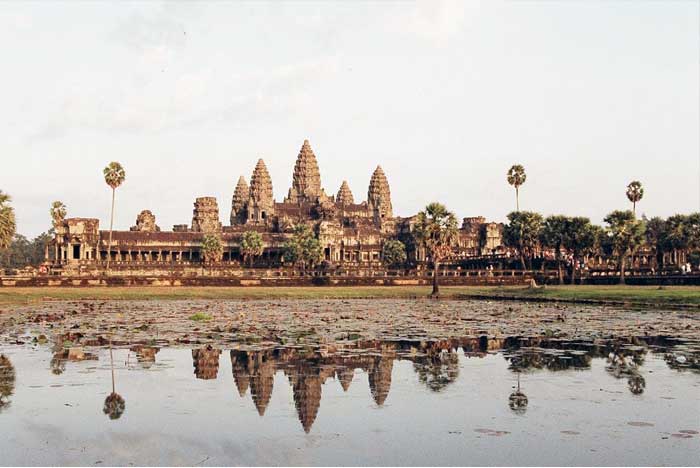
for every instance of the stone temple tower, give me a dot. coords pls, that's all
(344, 196)
(306, 180)
(205, 216)
(261, 205)
(379, 196)
(239, 202)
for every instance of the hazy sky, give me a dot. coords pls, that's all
(444, 95)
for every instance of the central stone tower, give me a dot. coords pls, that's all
(379, 195)
(306, 180)
(261, 205)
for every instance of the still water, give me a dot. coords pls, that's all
(456, 402)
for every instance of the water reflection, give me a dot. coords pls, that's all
(206, 362)
(114, 404)
(517, 401)
(7, 381)
(435, 364)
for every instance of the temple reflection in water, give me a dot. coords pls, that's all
(436, 365)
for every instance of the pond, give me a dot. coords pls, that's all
(459, 400)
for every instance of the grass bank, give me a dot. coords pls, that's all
(688, 296)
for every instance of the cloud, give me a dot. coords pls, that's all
(188, 99)
(436, 21)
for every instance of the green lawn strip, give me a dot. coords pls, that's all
(672, 295)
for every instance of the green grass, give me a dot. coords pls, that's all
(200, 317)
(672, 295)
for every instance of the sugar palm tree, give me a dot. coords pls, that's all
(58, 213)
(252, 246)
(114, 405)
(7, 221)
(635, 192)
(114, 177)
(436, 230)
(516, 177)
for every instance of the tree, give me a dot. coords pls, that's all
(553, 235)
(522, 233)
(58, 213)
(251, 246)
(303, 248)
(654, 236)
(7, 381)
(212, 249)
(516, 177)
(635, 192)
(22, 252)
(436, 230)
(394, 253)
(626, 234)
(114, 177)
(581, 237)
(676, 236)
(8, 225)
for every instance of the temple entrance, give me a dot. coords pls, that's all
(76, 252)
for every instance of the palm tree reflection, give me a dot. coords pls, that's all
(7, 381)
(114, 405)
(437, 370)
(518, 400)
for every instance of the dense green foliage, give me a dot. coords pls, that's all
(23, 252)
(8, 224)
(251, 246)
(212, 248)
(523, 233)
(303, 249)
(394, 253)
(436, 230)
(626, 234)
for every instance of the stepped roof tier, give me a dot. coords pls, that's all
(306, 180)
(241, 195)
(379, 195)
(344, 196)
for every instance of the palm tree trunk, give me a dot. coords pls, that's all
(111, 225)
(634, 208)
(436, 287)
(111, 362)
(517, 200)
(622, 269)
(573, 269)
(561, 274)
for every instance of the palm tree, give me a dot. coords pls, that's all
(8, 225)
(212, 249)
(58, 213)
(635, 192)
(114, 177)
(626, 234)
(553, 235)
(114, 404)
(252, 246)
(516, 177)
(436, 230)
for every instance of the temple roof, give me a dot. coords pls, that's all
(344, 196)
(261, 182)
(306, 180)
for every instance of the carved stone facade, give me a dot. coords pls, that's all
(205, 216)
(146, 222)
(351, 234)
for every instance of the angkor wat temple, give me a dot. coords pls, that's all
(352, 234)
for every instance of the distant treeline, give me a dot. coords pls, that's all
(23, 252)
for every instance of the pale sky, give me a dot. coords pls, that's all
(446, 96)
